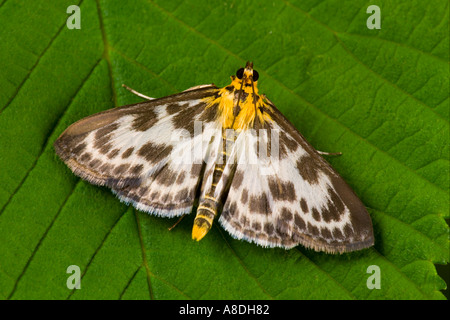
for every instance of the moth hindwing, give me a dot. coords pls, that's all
(230, 149)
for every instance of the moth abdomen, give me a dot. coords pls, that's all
(206, 212)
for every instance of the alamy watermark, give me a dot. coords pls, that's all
(250, 147)
(74, 20)
(374, 20)
(74, 280)
(374, 280)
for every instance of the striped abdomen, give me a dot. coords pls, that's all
(209, 204)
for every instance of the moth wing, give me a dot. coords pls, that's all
(148, 153)
(291, 198)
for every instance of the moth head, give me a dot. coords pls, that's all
(247, 74)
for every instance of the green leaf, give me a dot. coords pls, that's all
(381, 97)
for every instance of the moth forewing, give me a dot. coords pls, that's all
(129, 149)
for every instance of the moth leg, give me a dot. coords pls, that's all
(137, 93)
(178, 221)
(323, 153)
(212, 85)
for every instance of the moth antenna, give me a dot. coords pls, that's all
(137, 93)
(324, 153)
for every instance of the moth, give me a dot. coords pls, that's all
(228, 153)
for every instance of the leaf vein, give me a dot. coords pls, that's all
(47, 140)
(251, 275)
(20, 86)
(40, 242)
(95, 252)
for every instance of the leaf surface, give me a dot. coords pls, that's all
(381, 97)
